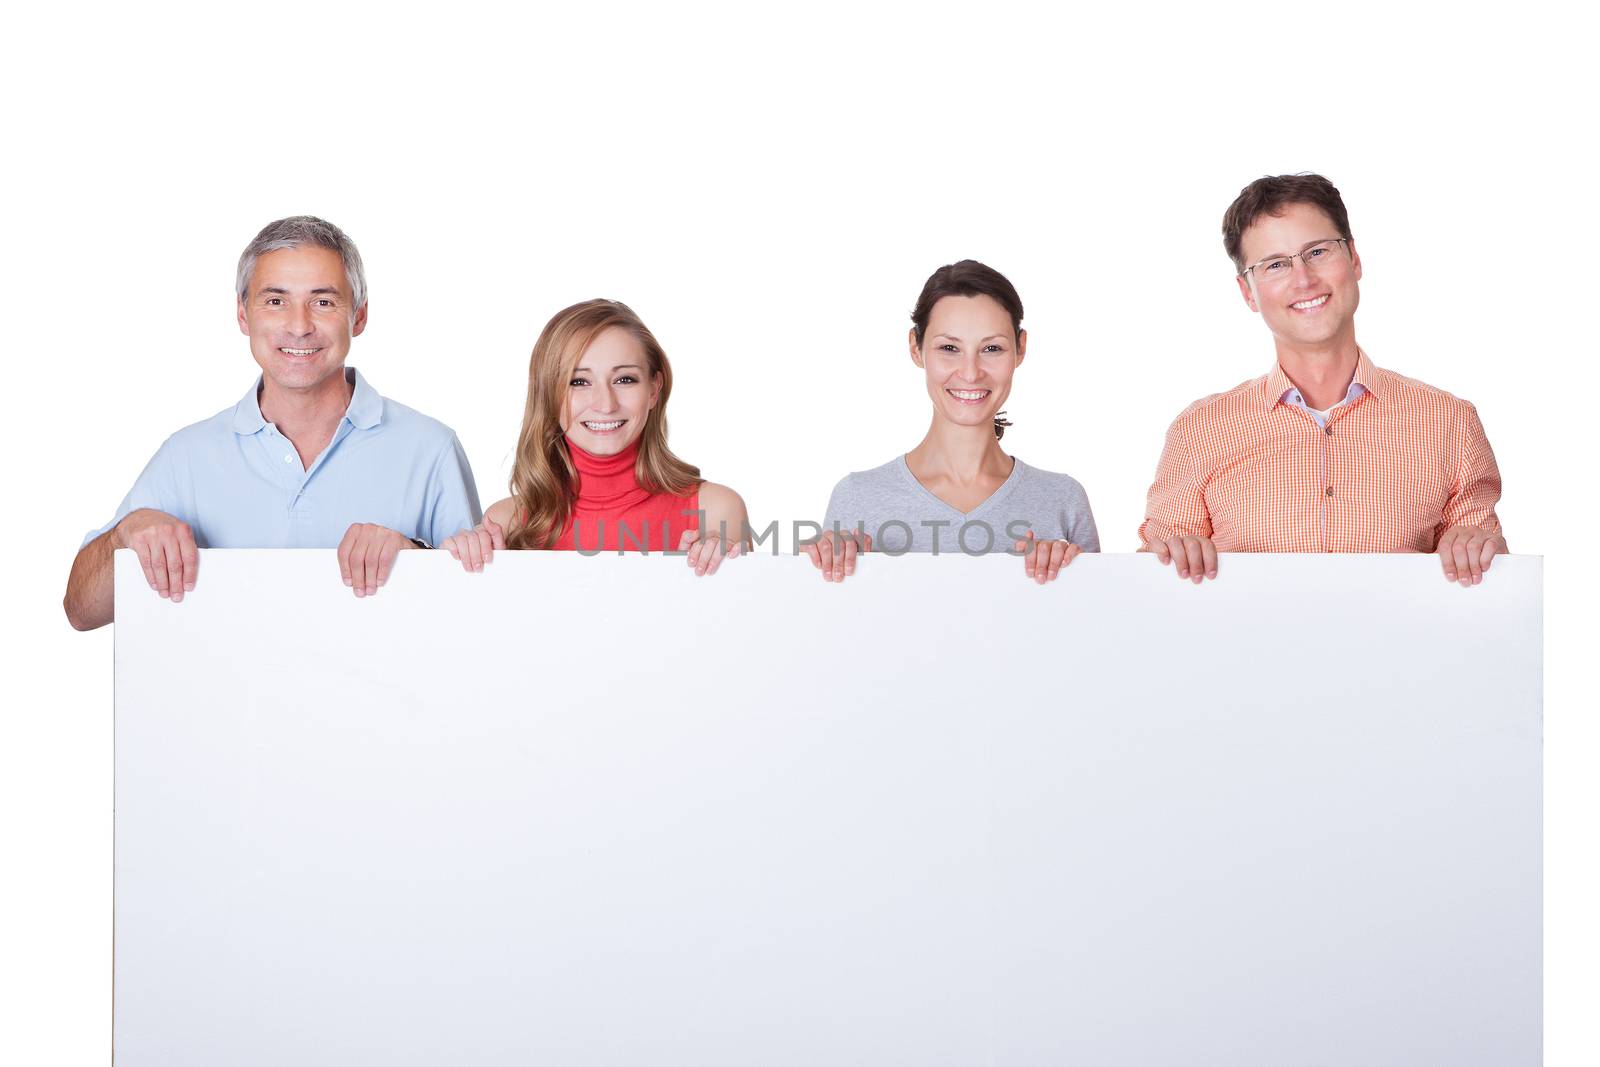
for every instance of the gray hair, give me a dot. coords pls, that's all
(298, 230)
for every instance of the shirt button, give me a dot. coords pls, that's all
(288, 459)
(1328, 430)
(1330, 490)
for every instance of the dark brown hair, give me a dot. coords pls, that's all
(1269, 196)
(968, 278)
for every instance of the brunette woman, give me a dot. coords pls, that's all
(958, 491)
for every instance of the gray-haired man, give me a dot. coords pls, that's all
(311, 457)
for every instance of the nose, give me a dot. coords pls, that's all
(300, 320)
(1300, 271)
(969, 367)
(605, 399)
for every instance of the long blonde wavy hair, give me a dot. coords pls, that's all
(544, 482)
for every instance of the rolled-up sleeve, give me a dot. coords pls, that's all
(1475, 490)
(1176, 505)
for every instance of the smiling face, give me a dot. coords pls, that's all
(968, 354)
(299, 317)
(1307, 306)
(610, 394)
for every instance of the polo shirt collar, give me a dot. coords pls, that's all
(247, 412)
(366, 406)
(1278, 386)
(365, 410)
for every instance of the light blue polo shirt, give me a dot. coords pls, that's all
(238, 483)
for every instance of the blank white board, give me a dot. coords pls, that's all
(598, 811)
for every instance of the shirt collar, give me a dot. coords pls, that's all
(247, 412)
(365, 410)
(366, 406)
(1278, 386)
(1367, 376)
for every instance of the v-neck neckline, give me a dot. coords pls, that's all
(1001, 491)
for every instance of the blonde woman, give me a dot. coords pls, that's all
(593, 471)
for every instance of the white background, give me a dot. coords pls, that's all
(768, 190)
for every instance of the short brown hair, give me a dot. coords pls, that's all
(1269, 196)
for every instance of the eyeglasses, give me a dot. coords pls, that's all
(1278, 268)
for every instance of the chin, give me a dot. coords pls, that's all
(969, 417)
(601, 446)
(1320, 338)
(302, 375)
(296, 380)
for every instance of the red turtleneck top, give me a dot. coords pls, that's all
(614, 513)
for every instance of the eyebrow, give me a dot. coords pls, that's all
(284, 292)
(997, 336)
(619, 366)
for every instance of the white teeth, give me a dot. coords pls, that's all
(603, 427)
(299, 351)
(969, 394)
(1306, 305)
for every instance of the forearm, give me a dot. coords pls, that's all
(88, 602)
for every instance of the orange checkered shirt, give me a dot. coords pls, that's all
(1394, 469)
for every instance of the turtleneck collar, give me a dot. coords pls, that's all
(606, 484)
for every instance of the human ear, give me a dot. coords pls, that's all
(916, 353)
(1022, 346)
(655, 390)
(1244, 291)
(360, 321)
(244, 321)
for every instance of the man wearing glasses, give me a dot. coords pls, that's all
(1327, 453)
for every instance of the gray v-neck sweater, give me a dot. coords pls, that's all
(902, 516)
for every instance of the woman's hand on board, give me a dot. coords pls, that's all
(705, 554)
(1042, 560)
(475, 547)
(834, 553)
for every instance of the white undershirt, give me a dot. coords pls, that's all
(1292, 396)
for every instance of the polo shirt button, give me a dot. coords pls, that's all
(1330, 490)
(288, 459)
(1328, 430)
